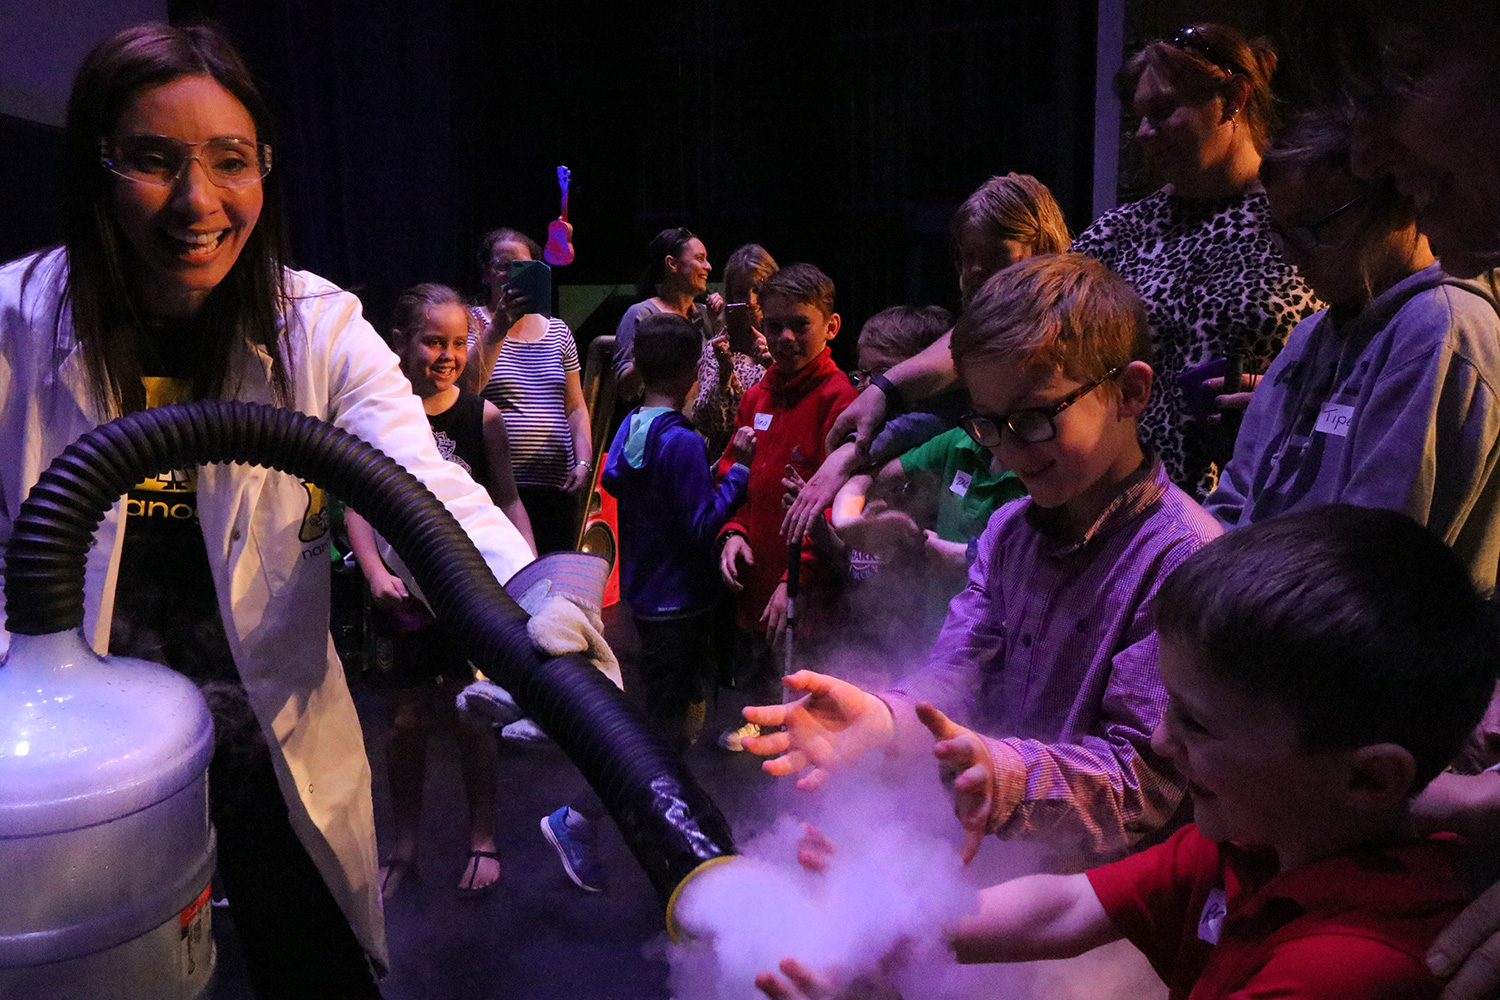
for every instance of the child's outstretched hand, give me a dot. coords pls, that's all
(743, 445)
(830, 726)
(882, 530)
(968, 768)
(796, 981)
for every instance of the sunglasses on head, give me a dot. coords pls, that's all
(1192, 39)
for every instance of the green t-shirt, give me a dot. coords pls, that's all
(970, 491)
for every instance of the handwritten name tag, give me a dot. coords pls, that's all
(1211, 920)
(960, 484)
(1335, 419)
(763, 421)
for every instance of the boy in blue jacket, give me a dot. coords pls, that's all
(670, 514)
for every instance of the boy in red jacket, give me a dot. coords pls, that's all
(791, 411)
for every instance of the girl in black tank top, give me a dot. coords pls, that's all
(415, 662)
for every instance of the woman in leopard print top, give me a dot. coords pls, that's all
(1197, 250)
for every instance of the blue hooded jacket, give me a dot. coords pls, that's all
(670, 513)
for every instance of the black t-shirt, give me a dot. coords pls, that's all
(166, 608)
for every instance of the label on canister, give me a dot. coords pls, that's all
(196, 948)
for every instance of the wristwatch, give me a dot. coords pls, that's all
(894, 401)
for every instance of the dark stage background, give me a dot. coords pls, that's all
(839, 132)
(843, 133)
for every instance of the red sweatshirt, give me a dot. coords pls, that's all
(791, 418)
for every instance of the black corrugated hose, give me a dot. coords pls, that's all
(668, 821)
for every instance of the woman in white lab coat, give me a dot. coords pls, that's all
(170, 286)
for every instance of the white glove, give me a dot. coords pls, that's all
(560, 627)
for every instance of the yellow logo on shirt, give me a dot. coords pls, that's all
(315, 518)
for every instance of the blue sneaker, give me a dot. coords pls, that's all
(575, 848)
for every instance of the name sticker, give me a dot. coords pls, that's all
(763, 421)
(1335, 419)
(960, 484)
(1211, 920)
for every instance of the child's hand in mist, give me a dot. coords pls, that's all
(944, 555)
(881, 530)
(814, 849)
(830, 726)
(743, 445)
(802, 983)
(969, 768)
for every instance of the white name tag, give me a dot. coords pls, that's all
(1211, 920)
(960, 484)
(1335, 419)
(763, 421)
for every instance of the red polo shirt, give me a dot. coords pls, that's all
(1352, 927)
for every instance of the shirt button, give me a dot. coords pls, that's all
(1026, 641)
(1082, 625)
(234, 535)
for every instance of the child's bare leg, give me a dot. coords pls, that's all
(479, 761)
(406, 768)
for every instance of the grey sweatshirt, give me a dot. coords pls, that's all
(1394, 407)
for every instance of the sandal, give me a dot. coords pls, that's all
(395, 874)
(466, 886)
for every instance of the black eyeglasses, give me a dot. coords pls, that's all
(1192, 39)
(1307, 237)
(860, 377)
(1030, 426)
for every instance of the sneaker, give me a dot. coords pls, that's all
(734, 739)
(575, 848)
(524, 731)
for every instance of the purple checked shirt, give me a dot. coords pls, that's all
(1051, 648)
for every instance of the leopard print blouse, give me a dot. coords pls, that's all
(1211, 280)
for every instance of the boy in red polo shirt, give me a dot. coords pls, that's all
(1321, 668)
(791, 410)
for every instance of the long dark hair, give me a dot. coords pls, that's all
(667, 243)
(107, 316)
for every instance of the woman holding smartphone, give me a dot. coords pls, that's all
(527, 365)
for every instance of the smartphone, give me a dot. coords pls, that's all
(1199, 401)
(533, 279)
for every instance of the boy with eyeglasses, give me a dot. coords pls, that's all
(1051, 645)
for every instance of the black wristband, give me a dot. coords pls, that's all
(894, 401)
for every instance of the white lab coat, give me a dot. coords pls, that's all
(267, 543)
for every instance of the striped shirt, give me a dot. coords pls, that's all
(1052, 648)
(529, 385)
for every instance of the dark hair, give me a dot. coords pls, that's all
(1014, 207)
(107, 316)
(1318, 139)
(1370, 54)
(667, 243)
(902, 331)
(1362, 622)
(1063, 311)
(1204, 61)
(410, 312)
(666, 346)
(490, 240)
(744, 271)
(801, 283)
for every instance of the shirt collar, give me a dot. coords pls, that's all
(1400, 877)
(1138, 491)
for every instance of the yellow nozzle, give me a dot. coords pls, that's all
(674, 929)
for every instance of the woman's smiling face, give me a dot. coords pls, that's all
(184, 237)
